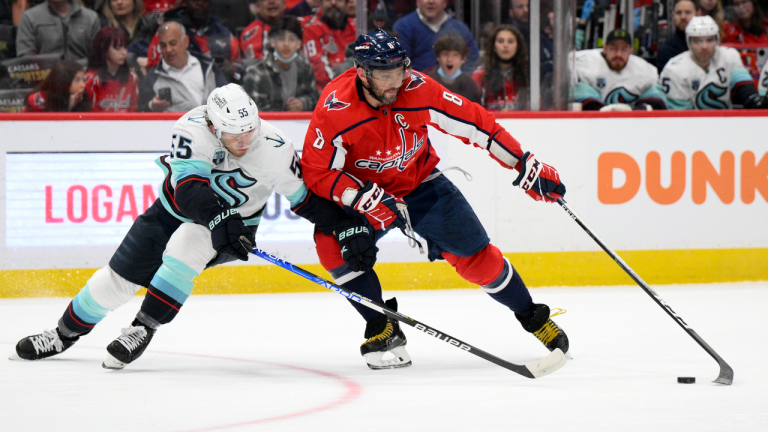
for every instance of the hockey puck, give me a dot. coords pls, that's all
(686, 380)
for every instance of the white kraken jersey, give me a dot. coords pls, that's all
(270, 164)
(689, 86)
(763, 84)
(595, 80)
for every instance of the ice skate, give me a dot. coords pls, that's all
(385, 347)
(44, 345)
(129, 346)
(537, 321)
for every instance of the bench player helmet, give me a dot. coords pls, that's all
(231, 110)
(701, 26)
(379, 50)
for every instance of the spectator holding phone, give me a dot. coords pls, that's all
(180, 81)
(62, 91)
(111, 85)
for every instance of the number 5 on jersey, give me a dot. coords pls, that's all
(180, 147)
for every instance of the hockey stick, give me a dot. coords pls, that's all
(726, 373)
(554, 361)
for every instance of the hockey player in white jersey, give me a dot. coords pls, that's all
(762, 85)
(224, 164)
(613, 79)
(708, 76)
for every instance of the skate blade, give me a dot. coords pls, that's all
(112, 363)
(399, 359)
(14, 356)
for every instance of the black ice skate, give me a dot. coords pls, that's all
(44, 345)
(129, 346)
(385, 337)
(537, 321)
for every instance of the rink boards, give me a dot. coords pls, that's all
(682, 198)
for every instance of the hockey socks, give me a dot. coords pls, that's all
(366, 285)
(509, 290)
(82, 314)
(169, 289)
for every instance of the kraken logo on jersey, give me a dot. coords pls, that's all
(218, 157)
(600, 82)
(226, 185)
(620, 95)
(708, 97)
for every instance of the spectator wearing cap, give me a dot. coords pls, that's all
(418, 31)
(283, 80)
(682, 13)
(57, 26)
(305, 8)
(613, 79)
(451, 53)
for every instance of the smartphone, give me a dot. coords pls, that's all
(164, 94)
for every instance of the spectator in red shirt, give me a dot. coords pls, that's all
(750, 26)
(111, 86)
(503, 77)
(207, 36)
(159, 7)
(253, 38)
(63, 90)
(325, 37)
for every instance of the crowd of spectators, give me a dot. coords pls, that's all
(167, 55)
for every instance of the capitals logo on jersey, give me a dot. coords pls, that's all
(417, 80)
(334, 104)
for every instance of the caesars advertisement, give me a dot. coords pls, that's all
(641, 183)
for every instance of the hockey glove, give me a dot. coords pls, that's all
(380, 208)
(226, 227)
(539, 180)
(357, 246)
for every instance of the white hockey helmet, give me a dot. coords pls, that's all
(231, 110)
(701, 26)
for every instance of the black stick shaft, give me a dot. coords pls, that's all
(726, 372)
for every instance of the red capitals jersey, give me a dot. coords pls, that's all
(503, 100)
(324, 47)
(110, 94)
(349, 142)
(159, 6)
(254, 41)
(35, 102)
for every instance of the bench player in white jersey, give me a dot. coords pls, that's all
(613, 79)
(708, 76)
(762, 85)
(224, 164)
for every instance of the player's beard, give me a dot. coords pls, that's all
(617, 63)
(378, 93)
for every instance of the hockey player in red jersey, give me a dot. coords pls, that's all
(367, 149)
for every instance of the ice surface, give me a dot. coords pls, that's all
(285, 362)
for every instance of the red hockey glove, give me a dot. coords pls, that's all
(539, 180)
(380, 208)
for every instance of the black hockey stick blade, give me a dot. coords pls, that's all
(726, 372)
(554, 361)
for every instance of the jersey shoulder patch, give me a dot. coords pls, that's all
(417, 79)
